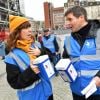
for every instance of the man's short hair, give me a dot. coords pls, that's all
(46, 30)
(77, 11)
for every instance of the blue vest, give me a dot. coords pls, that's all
(48, 43)
(86, 61)
(2, 49)
(39, 90)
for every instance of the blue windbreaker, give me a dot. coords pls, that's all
(86, 61)
(39, 90)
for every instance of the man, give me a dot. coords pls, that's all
(49, 43)
(83, 50)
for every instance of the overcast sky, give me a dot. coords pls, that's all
(34, 8)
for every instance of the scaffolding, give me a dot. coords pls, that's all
(7, 7)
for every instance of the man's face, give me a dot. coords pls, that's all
(46, 33)
(73, 22)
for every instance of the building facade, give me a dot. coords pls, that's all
(48, 15)
(7, 7)
(22, 6)
(92, 7)
(54, 17)
(58, 17)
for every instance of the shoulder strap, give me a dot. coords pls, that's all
(18, 60)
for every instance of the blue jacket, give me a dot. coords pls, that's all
(86, 60)
(48, 43)
(2, 48)
(39, 90)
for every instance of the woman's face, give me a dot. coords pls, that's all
(26, 34)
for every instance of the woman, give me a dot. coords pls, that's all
(21, 73)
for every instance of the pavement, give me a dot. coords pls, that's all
(61, 89)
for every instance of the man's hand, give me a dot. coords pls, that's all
(97, 81)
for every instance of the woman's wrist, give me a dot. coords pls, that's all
(35, 68)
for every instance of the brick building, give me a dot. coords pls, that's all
(48, 15)
(53, 16)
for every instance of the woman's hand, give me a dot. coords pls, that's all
(35, 51)
(97, 81)
(34, 67)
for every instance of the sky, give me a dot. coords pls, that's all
(34, 8)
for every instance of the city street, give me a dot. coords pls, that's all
(21, 18)
(60, 88)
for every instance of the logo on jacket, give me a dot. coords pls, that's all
(89, 44)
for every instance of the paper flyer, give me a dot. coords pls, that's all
(90, 89)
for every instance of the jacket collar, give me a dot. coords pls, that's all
(95, 25)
